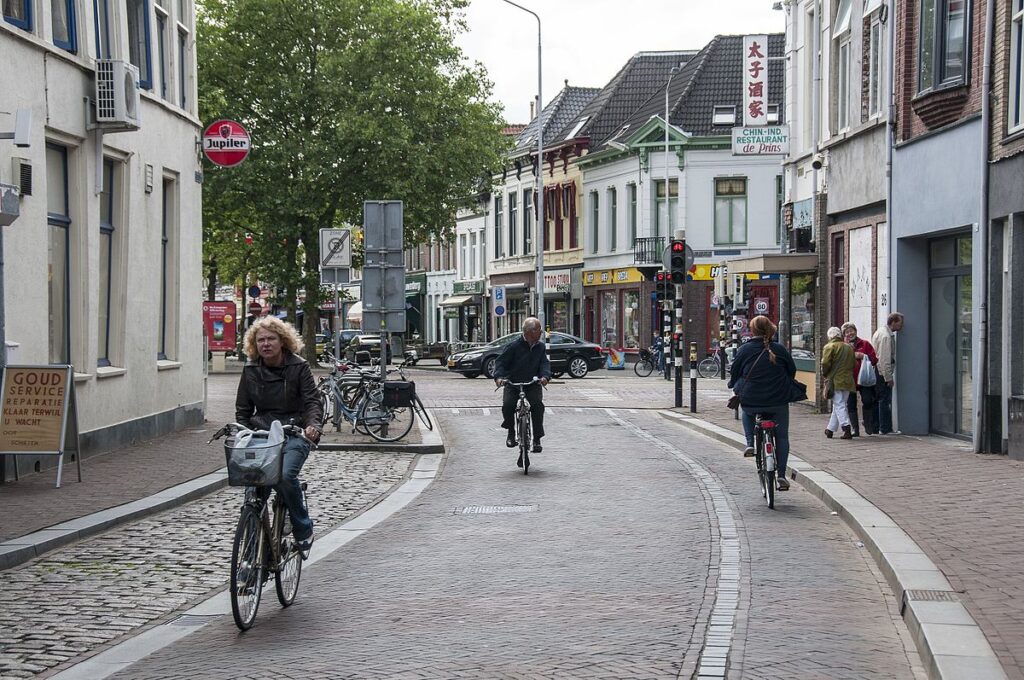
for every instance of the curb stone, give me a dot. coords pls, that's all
(19, 550)
(949, 640)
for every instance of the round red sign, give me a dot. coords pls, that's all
(226, 143)
(255, 308)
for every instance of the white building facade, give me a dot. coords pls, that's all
(103, 265)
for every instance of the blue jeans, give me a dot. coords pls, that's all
(295, 452)
(884, 405)
(780, 415)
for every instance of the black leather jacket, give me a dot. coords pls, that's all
(267, 394)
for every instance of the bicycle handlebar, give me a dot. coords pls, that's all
(235, 428)
(518, 384)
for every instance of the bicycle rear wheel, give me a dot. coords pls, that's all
(421, 412)
(246, 569)
(384, 423)
(708, 368)
(289, 569)
(643, 368)
(769, 475)
(525, 440)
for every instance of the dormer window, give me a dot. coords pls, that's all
(577, 127)
(724, 115)
(773, 114)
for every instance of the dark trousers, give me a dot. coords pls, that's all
(534, 395)
(884, 407)
(867, 399)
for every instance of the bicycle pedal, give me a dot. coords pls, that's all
(303, 486)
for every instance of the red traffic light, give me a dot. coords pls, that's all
(678, 246)
(660, 276)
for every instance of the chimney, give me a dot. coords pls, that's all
(532, 107)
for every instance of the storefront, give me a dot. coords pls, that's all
(464, 307)
(415, 300)
(617, 308)
(518, 287)
(562, 299)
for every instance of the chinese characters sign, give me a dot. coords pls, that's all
(755, 80)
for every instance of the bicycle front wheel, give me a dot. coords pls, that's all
(708, 368)
(643, 368)
(525, 441)
(384, 423)
(421, 412)
(246, 569)
(289, 569)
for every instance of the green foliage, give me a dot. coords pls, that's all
(345, 101)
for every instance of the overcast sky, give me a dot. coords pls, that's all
(587, 41)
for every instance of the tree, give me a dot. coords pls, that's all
(345, 101)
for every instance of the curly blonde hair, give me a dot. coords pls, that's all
(290, 339)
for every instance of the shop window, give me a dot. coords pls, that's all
(802, 295)
(609, 318)
(942, 53)
(631, 319)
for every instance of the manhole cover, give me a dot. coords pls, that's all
(493, 509)
(931, 595)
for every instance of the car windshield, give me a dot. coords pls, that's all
(505, 339)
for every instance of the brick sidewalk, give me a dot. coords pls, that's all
(962, 508)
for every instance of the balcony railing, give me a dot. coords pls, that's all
(648, 250)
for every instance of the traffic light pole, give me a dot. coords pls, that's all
(678, 341)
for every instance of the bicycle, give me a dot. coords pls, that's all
(263, 542)
(764, 455)
(358, 396)
(523, 424)
(711, 366)
(647, 362)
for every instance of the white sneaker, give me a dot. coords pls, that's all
(748, 452)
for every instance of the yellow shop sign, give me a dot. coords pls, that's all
(607, 277)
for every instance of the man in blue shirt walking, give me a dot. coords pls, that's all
(524, 359)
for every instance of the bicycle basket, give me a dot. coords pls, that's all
(398, 393)
(255, 462)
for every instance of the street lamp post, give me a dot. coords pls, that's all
(668, 215)
(541, 224)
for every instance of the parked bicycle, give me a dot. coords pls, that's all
(523, 423)
(711, 366)
(647, 362)
(263, 542)
(764, 455)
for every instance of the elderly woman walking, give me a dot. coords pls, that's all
(837, 362)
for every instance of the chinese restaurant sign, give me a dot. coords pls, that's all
(761, 140)
(755, 79)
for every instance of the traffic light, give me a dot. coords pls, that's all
(677, 261)
(661, 286)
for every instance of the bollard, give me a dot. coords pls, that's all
(693, 377)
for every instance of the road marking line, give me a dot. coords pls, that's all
(487, 411)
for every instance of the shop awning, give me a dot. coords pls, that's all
(355, 312)
(457, 301)
(781, 263)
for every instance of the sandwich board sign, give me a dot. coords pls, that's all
(38, 415)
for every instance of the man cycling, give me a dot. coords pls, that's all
(524, 359)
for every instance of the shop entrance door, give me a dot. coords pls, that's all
(950, 310)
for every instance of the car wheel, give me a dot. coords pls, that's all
(471, 375)
(490, 364)
(578, 367)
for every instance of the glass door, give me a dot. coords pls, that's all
(951, 400)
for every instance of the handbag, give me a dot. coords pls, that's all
(797, 390)
(734, 400)
(866, 376)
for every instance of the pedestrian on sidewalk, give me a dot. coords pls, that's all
(884, 341)
(277, 384)
(837, 363)
(862, 350)
(761, 375)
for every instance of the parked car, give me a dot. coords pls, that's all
(363, 348)
(416, 350)
(567, 354)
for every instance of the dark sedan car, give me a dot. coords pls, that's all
(567, 354)
(362, 348)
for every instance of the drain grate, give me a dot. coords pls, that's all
(931, 596)
(494, 509)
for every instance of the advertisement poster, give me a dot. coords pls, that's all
(34, 404)
(219, 322)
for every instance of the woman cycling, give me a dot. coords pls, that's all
(761, 375)
(277, 384)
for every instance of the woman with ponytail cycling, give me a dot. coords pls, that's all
(761, 375)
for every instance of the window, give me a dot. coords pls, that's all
(109, 199)
(723, 115)
(1015, 120)
(843, 86)
(527, 221)
(168, 267)
(513, 216)
(773, 114)
(942, 53)
(730, 210)
(182, 67)
(138, 40)
(62, 21)
(498, 217)
(577, 127)
(613, 219)
(163, 49)
(18, 13)
(780, 196)
(662, 216)
(473, 255)
(875, 67)
(595, 216)
(58, 218)
(631, 192)
(101, 15)
(463, 255)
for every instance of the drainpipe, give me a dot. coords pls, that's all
(979, 388)
(890, 145)
(815, 225)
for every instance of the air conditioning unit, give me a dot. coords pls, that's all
(117, 95)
